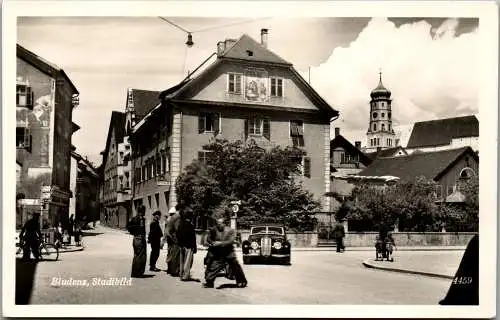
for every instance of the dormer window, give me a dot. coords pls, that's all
(24, 96)
(250, 53)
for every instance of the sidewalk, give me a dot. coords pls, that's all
(431, 264)
(428, 248)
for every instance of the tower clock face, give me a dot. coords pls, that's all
(375, 115)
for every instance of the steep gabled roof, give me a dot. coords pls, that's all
(43, 65)
(245, 45)
(431, 165)
(117, 123)
(384, 153)
(442, 131)
(340, 141)
(144, 102)
(260, 54)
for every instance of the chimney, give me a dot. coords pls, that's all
(263, 37)
(337, 132)
(357, 144)
(221, 46)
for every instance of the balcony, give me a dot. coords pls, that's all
(347, 165)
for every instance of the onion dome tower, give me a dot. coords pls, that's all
(380, 134)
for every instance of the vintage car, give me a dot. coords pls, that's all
(266, 243)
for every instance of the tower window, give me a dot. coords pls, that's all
(383, 114)
(374, 127)
(374, 115)
(389, 126)
(389, 115)
(378, 141)
(383, 127)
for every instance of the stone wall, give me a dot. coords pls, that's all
(410, 239)
(367, 239)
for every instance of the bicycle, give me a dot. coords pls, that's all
(43, 251)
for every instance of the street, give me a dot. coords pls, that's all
(315, 277)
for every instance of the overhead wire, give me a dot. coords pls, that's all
(211, 28)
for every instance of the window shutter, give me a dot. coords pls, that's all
(29, 98)
(201, 122)
(246, 129)
(266, 129)
(216, 123)
(307, 167)
(200, 156)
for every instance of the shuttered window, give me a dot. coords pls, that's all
(307, 167)
(24, 96)
(297, 132)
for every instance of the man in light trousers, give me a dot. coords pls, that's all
(186, 237)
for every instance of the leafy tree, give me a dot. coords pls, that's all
(264, 180)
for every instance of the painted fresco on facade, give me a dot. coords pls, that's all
(256, 85)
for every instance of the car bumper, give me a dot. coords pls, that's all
(274, 255)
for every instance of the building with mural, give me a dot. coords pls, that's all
(45, 98)
(248, 93)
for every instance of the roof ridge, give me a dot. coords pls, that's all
(447, 119)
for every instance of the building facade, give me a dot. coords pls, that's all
(248, 94)
(45, 98)
(380, 134)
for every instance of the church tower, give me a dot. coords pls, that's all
(380, 134)
(129, 112)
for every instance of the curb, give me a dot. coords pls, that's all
(333, 249)
(422, 273)
(67, 250)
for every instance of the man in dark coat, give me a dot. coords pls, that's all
(30, 237)
(173, 253)
(186, 237)
(339, 234)
(221, 253)
(154, 239)
(137, 227)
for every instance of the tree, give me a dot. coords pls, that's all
(411, 205)
(265, 181)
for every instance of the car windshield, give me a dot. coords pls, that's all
(274, 230)
(268, 230)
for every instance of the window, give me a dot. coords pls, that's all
(203, 156)
(383, 127)
(389, 115)
(374, 115)
(23, 138)
(255, 126)
(234, 83)
(303, 166)
(450, 190)
(346, 158)
(389, 127)
(383, 115)
(276, 87)
(208, 122)
(158, 163)
(24, 96)
(439, 192)
(378, 141)
(297, 132)
(166, 166)
(374, 127)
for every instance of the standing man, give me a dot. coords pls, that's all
(173, 253)
(221, 253)
(137, 228)
(154, 238)
(186, 237)
(30, 237)
(339, 234)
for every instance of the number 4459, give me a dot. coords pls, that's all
(462, 280)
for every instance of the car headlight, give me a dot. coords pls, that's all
(277, 245)
(255, 245)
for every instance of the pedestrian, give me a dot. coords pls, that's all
(71, 227)
(31, 237)
(173, 253)
(339, 234)
(137, 227)
(221, 253)
(186, 237)
(154, 239)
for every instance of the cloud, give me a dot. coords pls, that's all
(432, 73)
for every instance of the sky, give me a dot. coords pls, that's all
(429, 64)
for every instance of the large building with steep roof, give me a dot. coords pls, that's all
(248, 93)
(443, 134)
